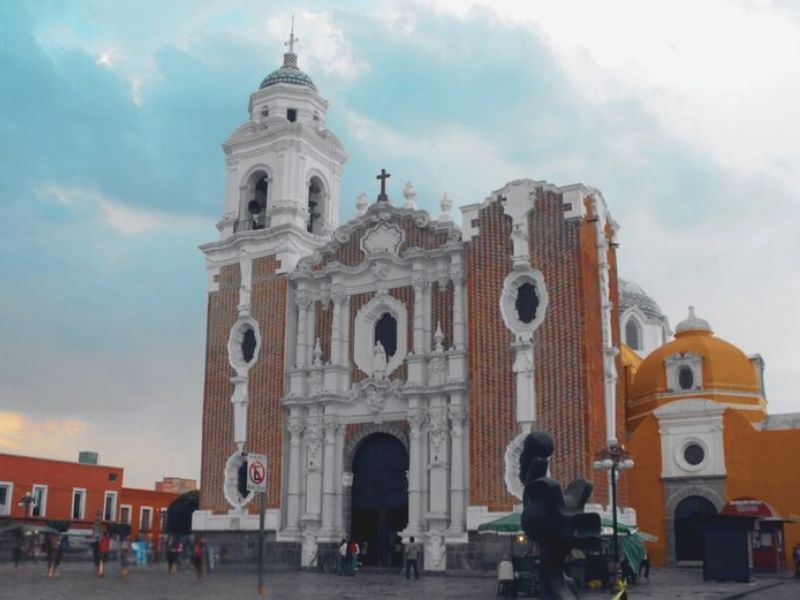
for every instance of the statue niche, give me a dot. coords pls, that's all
(555, 520)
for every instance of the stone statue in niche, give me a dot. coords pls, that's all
(554, 520)
(378, 360)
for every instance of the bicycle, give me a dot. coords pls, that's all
(328, 563)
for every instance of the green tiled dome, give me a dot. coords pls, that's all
(288, 73)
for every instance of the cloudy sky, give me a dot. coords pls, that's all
(111, 173)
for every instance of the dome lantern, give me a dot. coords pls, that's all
(693, 324)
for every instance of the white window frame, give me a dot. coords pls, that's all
(162, 519)
(130, 514)
(5, 509)
(114, 510)
(81, 516)
(43, 508)
(141, 518)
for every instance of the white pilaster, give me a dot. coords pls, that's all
(328, 475)
(457, 476)
(416, 421)
(293, 493)
(240, 400)
(525, 392)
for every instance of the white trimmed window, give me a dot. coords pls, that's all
(145, 518)
(78, 504)
(39, 506)
(162, 519)
(633, 334)
(6, 493)
(110, 506)
(125, 511)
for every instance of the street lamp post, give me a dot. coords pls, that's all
(614, 459)
(27, 501)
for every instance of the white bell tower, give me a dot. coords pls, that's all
(284, 167)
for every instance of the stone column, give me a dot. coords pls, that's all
(338, 295)
(344, 353)
(416, 421)
(303, 303)
(338, 514)
(311, 325)
(293, 493)
(459, 326)
(457, 476)
(328, 475)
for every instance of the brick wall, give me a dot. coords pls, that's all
(217, 409)
(490, 360)
(266, 378)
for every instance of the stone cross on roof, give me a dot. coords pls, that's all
(292, 39)
(382, 197)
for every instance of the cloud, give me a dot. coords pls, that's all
(722, 74)
(21, 433)
(128, 220)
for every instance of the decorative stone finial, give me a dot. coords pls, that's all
(438, 338)
(410, 194)
(446, 203)
(692, 323)
(361, 204)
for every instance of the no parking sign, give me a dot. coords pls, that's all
(257, 472)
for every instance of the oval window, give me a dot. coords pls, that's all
(685, 378)
(386, 334)
(527, 302)
(248, 345)
(694, 454)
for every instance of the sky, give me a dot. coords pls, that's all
(112, 115)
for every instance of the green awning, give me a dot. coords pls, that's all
(511, 524)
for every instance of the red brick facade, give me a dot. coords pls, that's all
(266, 383)
(568, 348)
(217, 410)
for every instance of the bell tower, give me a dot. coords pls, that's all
(284, 166)
(281, 203)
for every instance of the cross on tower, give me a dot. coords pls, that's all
(382, 197)
(292, 39)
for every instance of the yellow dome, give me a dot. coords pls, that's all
(728, 375)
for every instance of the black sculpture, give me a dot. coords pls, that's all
(555, 520)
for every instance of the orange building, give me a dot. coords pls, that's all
(703, 444)
(82, 493)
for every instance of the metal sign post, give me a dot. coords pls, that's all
(257, 482)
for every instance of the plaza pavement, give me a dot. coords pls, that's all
(77, 581)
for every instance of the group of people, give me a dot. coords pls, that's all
(350, 552)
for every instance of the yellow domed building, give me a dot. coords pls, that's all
(703, 444)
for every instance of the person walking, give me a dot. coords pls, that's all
(796, 556)
(341, 567)
(644, 568)
(16, 550)
(102, 553)
(124, 556)
(411, 554)
(50, 550)
(174, 550)
(199, 555)
(352, 554)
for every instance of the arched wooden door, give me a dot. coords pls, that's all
(379, 495)
(690, 515)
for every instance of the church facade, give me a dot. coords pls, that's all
(389, 367)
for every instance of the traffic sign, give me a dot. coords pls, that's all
(257, 472)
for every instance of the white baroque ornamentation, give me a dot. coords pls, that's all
(376, 392)
(235, 339)
(313, 443)
(384, 237)
(416, 421)
(309, 548)
(230, 486)
(508, 298)
(435, 550)
(511, 460)
(438, 429)
(364, 338)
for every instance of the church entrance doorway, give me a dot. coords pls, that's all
(690, 515)
(379, 495)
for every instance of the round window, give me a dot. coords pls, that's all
(527, 302)
(694, 454)
(685, 378)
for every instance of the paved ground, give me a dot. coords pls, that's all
(78, 581)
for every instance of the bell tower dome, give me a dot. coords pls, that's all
(284, 166)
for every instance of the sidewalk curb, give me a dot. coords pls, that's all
(753, 591)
